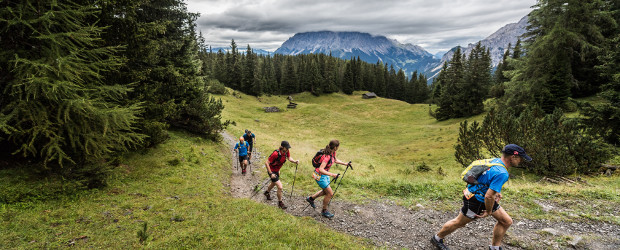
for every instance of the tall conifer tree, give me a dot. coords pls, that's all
(55, 105)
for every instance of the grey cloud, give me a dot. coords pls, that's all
(437, 22)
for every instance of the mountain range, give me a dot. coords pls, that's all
(369, 48)
(497, 42)
(377, 48)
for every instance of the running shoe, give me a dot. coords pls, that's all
(266, 193)
(439, 244)
(311, 202)
(327, 214)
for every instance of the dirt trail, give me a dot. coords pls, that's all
(393, 226)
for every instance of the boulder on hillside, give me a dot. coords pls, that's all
(271, 109)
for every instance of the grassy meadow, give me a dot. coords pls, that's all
(401, 153)
(177, 189)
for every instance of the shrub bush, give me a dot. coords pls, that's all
(557, 144)
(216, 87)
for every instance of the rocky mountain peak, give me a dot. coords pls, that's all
(367, 47)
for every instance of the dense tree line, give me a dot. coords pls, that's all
(463, 84)
(316, 73)
(81, 81)
(570, 50)
(566, 43)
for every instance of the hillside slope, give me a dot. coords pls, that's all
(180, 189)
(405, 183)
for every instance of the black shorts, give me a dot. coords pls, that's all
(277, 176)
(473, 206)
(251, 147)
(242, 158)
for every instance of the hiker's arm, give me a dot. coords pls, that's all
(339, 162)
(292, 160)
(269, 172)
(267, 167)
(323, 171)
(489, 201)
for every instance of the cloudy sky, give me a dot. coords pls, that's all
(436, 25)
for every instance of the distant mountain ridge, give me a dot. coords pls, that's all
(496, 42)
(367, 47)
(409, 57)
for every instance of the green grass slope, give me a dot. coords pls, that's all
(178, 190)
(398, 152)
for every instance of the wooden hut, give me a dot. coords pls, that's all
(369, 95)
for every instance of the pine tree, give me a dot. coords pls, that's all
(605, 117)
(499, 77)
(564, 41)
(401, 83)
(55, 106)
(437, 82)
(517, 51)
(422, 89)
(289, 77)
(315, 78)
(219, 67)
(380, 79)
(233, 66)
(247, 78)
(477, 80)
(162, 66)
(348, 80)
(412, 90)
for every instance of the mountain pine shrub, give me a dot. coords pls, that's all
(558, 145)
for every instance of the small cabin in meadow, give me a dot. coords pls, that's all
(369, 95)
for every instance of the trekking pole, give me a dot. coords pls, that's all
(257, 191)
(330, 182)
(293, 188)
(340, 182)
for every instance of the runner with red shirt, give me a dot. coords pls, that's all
(321, 176)
(273, 165)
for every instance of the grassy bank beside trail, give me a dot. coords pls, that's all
(176, 188)
(400, 152)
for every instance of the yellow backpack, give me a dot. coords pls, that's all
(475, 169)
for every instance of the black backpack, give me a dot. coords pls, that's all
(316, 160)
(277, 159)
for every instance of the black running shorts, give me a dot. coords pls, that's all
(277, 176)
(473, 207)
(243, 158)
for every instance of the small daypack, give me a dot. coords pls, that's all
(277, 159)
(475, 169)
(245, 145)
(316, 160)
